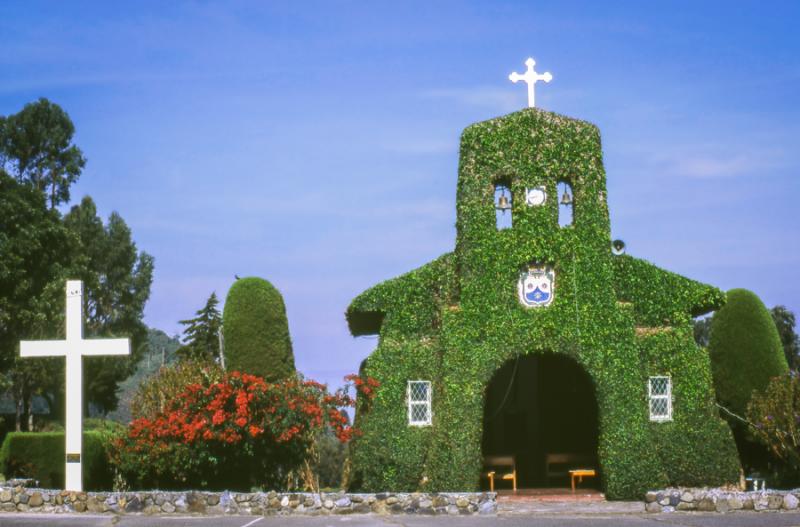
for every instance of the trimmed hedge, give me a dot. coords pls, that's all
(745, 348)
(40, 455)
(689, 448)
(257, 331)
(457, 320)
(659, 297)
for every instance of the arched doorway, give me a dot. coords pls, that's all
(542, 410)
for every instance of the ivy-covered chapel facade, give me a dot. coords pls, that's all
(542, 290)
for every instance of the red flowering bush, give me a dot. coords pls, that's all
(155, 392)
(364, 386)
(237, 432)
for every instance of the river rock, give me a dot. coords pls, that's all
(774, 502)
(706, 505)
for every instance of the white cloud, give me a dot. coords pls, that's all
(709, 166)
(713, 161)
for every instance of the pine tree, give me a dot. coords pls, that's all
(201, 335)
(785, 321)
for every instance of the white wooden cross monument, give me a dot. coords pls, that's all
(531, 78)
(74, 348)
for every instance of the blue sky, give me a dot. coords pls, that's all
(316, 144)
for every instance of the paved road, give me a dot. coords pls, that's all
(739, 519)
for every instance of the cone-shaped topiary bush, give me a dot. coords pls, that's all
(256, 330)
(745, 349)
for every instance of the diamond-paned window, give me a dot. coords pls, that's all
(660, 395)
(419, 403)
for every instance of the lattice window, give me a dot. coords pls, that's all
(660, 394)
(419, 403)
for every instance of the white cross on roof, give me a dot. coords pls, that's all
(531, 78)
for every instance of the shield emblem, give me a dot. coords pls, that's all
(536, 285)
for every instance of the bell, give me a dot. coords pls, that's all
(503, 203)
(566, 199)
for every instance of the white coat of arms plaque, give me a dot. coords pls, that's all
(536, 286)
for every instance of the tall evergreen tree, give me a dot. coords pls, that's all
(785, 321)
(201, 334)
(36, 254)
(117, 279)
(702, 331)
(36, 148)
(39, 250)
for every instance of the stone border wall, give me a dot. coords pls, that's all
(719, 500)
(21, 499)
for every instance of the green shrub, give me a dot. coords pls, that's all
(156, 392)
(98, 424)
(745, 350)
(775, 414)
(331, 457)
(40, 455)
(256, 330)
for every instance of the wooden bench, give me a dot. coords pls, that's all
(581, 473)
(559, 465)
(500, 467)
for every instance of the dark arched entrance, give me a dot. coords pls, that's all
(538, 405)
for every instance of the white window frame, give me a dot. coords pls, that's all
(413, 403)
(667, 397)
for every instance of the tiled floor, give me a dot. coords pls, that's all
(558, 501)
(550, 494)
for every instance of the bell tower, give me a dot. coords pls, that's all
(550, 170)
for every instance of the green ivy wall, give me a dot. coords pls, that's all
(457, 320)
